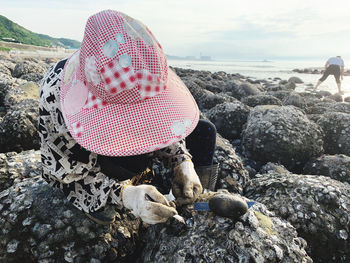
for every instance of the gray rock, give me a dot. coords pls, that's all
(336, 97)
(240, 90)
(336, 127)
(17, 94)
(296, 100)
(26, 67)
(209, 100)
(256, 100)
(229, 118)
(339, 107)
(279, 94)
(317, 206)
(295, 80)
(290, 86)
(327, 106)
(34, 76)
(19, 127)
(275, 87)
(35, 228)
(281, 134)
(347, 99)
(324, 93)
(257, 236)
(334, 166)
(232, 174)
(273, 168)
(4, 68)
(15, 167)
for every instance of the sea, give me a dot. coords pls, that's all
(269, 70)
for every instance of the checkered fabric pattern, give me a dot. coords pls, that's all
(91, 71)
(133, 104)
(93, 102)
(118, 79)
(77, 129)
(149, 84)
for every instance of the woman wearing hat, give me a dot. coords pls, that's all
(109, 109)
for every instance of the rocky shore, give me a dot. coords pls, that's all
(288, 152)
(318, 71)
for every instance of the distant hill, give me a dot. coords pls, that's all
(11, 31)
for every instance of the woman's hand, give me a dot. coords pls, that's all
(146, 202)
(186, 185)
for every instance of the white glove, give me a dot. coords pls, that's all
(148, 203)
(186, 185)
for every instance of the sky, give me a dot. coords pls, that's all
(222, 29)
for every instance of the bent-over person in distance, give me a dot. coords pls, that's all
(334, 66)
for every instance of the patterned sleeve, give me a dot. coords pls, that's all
(174, 154)
(66, 164)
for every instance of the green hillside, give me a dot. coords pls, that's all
(11, 30)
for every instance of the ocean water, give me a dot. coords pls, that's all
(268, 70)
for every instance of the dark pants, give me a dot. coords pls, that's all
(332, 70)
(200, 143)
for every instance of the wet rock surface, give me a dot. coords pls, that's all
(334, 166)
(25, 68)
(229, 118)
(232, 176)
(336, 127)
(256, 100)
(317, 206)
(283, 134)
(40, 225)
(258, 236)
(296, 100)
(14, 167)
(19, 127)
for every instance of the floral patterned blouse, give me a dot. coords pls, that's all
(70, 167)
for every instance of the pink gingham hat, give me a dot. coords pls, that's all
(118, 96)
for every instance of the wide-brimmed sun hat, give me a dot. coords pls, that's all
(118, 96)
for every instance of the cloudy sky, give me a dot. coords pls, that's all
(224, 29)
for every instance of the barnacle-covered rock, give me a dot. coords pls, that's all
(39, 225)
(256, 100)
(273, 168)
(205, 98)
(19, 127)
(232, 176)
(336, 97)
(339, 107)
(26, 67)
(209, 100)
(8, 83)
(19, 93)
(14, 167)
(324, 107)
(280, 94)
(296, 80)
(258, 236)
(317, 206)
(336, 127)
(334, 166)
(244, 89)
(281, 134)
(295, 99)
(229, 118)
(34, 76)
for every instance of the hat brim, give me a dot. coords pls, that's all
(130, 129)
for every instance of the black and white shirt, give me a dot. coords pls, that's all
(72, 168)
